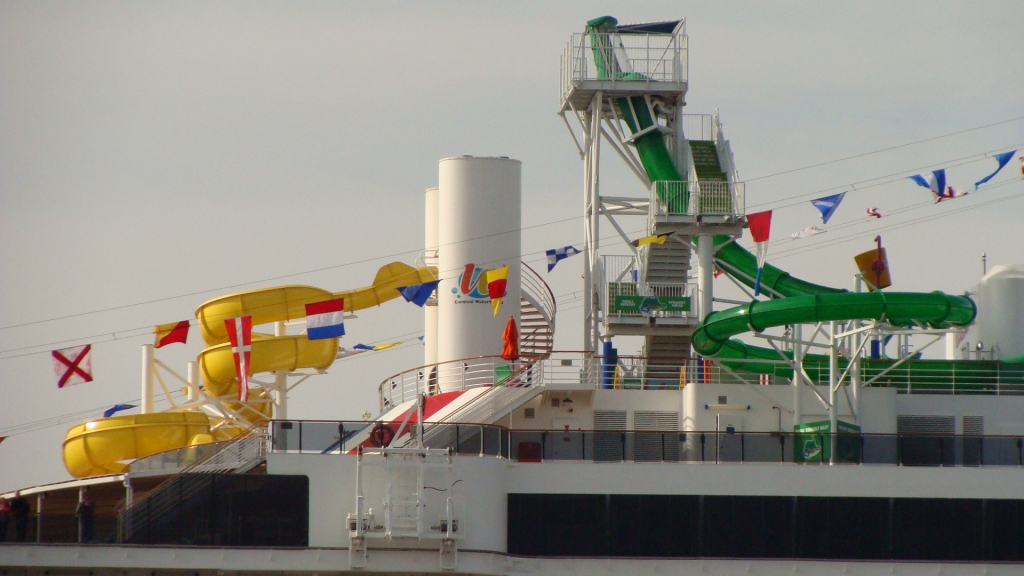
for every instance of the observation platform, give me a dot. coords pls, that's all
(653, 64)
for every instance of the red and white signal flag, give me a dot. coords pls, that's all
(72, 365)
(760, 229)
(240, 334)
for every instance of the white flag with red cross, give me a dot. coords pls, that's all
(72, 365)
(240, 333)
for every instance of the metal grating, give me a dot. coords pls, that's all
(529, 413)
(655, 446)
(974, 425)
(608, 446)
(609, 419)
(926, 425)
(655, 420)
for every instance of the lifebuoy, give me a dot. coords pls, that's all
(381, 435)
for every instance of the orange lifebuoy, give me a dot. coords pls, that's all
(381, 435)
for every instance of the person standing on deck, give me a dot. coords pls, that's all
(20, 511)
(86, 513)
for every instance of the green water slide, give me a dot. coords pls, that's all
(795, 301)
(650, 145)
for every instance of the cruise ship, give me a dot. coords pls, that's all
(797, 430)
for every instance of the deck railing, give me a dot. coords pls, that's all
(638, 57)
(696, 198)
(650, 299)
(582, 370)
(329, 437)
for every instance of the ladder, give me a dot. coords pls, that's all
(405, 501)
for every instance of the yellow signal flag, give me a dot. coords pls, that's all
(386, 346)
(497, 280)
(654, 239)
(874, 268)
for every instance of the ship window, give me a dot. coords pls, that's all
(827, 528)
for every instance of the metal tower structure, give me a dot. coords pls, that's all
(625, 86)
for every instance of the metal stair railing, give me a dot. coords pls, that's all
(238, 455)
(537, 292)
(492, 402)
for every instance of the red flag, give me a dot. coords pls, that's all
(760, 225)
(72, 365)
(760, 229)
(510, 351)
(497, 280)
(240, 333)
(171, 333)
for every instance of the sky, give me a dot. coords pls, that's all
(156, 155)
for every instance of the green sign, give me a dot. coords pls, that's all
(811, 442)
(645, 304)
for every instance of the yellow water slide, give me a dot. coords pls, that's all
(103, 446)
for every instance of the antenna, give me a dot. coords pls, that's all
(984, 263)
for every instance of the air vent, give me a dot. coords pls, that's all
(662, 443)
(609, 419)
(609, 446)
(655, 420)
(974, 425)
(723, 400)
(926, 425)
(556, 402)
(529, 413)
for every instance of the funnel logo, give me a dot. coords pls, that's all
(472, 285)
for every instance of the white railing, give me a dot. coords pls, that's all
(580, 369)
(630, 58)
(650, 299)
(452, 375)
(693, 198)
(699, 127)
(539, 291)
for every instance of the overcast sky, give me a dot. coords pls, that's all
(156, 155)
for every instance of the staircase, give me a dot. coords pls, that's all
(141, 521)
(706, 161)
(536, 316)
(670, 263)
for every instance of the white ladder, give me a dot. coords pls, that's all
(404, 501)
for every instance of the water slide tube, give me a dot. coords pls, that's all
(654, 155)
(793, 300)
(103, 446)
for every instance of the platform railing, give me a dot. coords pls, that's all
(699, 127)
(461, 374)
(696, 198)
(650, 299)
(705, 447)
(334, 437)
(647, 57)
(582, 370)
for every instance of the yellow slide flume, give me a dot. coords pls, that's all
(101, 446)
(270, 353)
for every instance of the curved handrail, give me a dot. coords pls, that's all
(539, 289)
